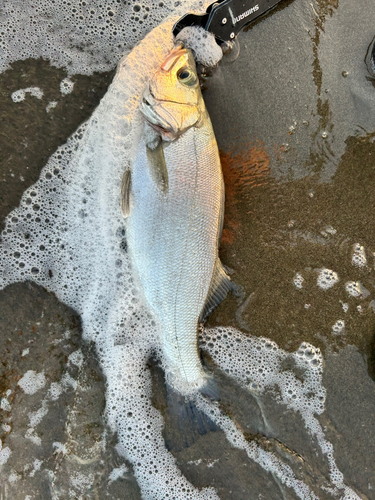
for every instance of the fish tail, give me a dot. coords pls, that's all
(210, 389)
(186, 422)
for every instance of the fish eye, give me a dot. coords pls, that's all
(370, 58)
(187, 77)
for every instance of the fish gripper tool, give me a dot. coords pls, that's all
(226, 18)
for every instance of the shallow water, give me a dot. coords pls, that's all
(297, 202)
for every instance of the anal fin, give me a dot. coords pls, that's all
(221, 284)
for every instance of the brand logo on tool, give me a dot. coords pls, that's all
(245, 14)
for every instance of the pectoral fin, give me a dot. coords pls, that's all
(125, 193)
(221, 284)
(158, 167)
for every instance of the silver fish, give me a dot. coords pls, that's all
(174, 201)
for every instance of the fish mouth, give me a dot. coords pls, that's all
(155, 120)
(161, 125)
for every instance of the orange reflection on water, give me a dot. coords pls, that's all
(243, 170)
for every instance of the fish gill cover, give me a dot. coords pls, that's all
(68, 236)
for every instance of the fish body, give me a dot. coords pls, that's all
(175, 201)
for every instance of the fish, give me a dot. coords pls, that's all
(173, 201)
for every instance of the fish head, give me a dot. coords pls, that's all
(172, 102)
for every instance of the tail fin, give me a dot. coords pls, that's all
(210, 390)
(186, 423)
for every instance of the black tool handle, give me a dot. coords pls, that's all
(226, 18)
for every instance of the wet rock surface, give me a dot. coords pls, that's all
(286, 220)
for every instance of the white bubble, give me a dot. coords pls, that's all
(32, 382)
(356, 289)
(33, 436)
(94, 39)
(60, 448)
(37, 465)
(82, 481)
(51, 105)
(292, 128)
(327, 278)
(339, 327)
(76, 358)
(13, 477)
(117, 473)
(19, 95)
(345, 306)
(66, 86)
(298, 280)
(5, 405)
(359, 256)
(203, 44)
(330, 230)
(55, 391)
(4, 453)
(258, 364)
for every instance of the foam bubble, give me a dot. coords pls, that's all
(32, 382)
(33, 436)
(13, 477)
(359, 256)
(60, 447)
(82, 37)
(76, 358)
(117, 473)
(339, 327)
(345, 306)
(202, 43)
(5, 453)
(327, 278)
(356, 289)
(37, 464)
(37, 416)
(51, 105)
(257, 364)
(66, 86)
(5, 405)
(82, 482)
(55, 391)
(298, 280)
(19, 95)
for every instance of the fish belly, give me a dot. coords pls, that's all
(173, 239)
